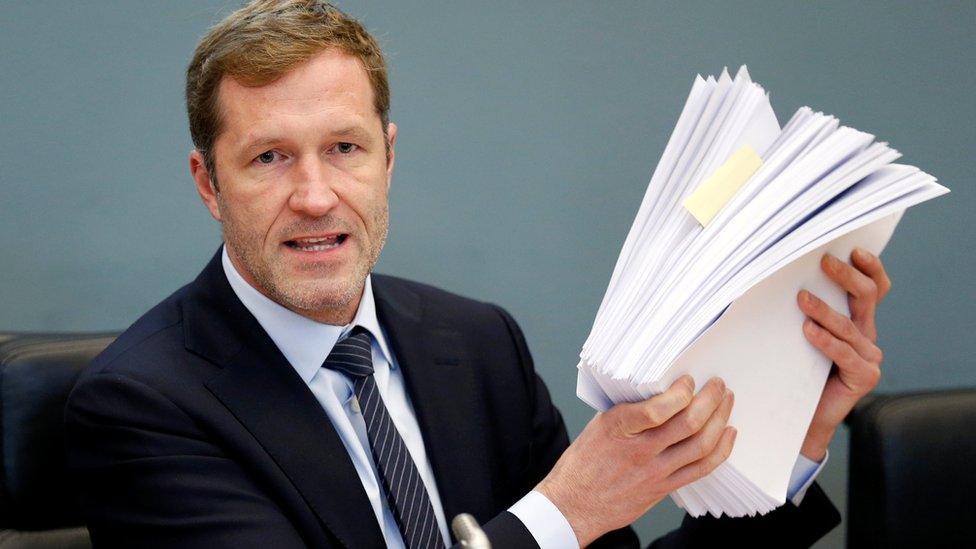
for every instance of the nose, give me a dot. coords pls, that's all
(314, 194)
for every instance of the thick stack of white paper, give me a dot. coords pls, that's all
(732, 226)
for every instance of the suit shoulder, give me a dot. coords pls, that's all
(434, 298)
(149, 360)
(156, 333)
(486, 327)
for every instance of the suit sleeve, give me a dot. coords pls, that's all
(788, 526)
(549, 440)
(148, 477)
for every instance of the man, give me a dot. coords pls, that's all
(289, 398)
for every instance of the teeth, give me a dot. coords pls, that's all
(317, 244)
(317, 248)
(316, 240)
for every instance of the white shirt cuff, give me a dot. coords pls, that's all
(805, 471)
(544, 521)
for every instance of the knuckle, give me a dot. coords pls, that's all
(864, 378)
(885, 284)
(701, 447)
(693, 422)
(652, 415)
(870, 289)
(873, 377)
(873, 354)
(707, 444)
(716, 391)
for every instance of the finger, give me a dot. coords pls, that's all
(690, 420)
(696, 447)
(861, 287)
(871, 265)
(839, 325)
(632, 418)
(856, 373)
(698, 469)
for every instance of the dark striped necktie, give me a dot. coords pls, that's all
(404, 488)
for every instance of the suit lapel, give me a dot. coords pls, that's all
(271, 401)
(444, 393)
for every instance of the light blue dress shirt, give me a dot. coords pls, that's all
(306, 344)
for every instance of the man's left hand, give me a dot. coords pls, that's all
(849, 341)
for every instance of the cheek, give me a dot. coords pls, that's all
(377, 211)
(253, 214)
(366, 195)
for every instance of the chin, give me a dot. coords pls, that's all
(321, 295)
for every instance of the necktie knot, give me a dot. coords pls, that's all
(353, 356)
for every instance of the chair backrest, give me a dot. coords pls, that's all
(38, 507)
(913, 471)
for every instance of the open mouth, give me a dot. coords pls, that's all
(317, 243)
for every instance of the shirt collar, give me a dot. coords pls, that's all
(306, 343)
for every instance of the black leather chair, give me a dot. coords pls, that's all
(38, 508)
(913, 471)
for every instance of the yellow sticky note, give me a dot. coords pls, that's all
(715, 191)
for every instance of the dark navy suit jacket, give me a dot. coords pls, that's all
(192, 430)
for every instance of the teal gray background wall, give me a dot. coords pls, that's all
(528, 132)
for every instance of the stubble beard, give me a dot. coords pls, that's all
(324, 296)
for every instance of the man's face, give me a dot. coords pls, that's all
(304, 177)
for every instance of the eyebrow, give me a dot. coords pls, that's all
(260, 142)
(354, 131)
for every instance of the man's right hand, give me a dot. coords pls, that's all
(631, 456)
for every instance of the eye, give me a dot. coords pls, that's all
(266, 157)
(345, 148)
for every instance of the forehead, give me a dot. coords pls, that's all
(330, 89)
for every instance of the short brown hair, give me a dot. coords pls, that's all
(262, 41)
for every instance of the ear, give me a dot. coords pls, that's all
(391, 135)
(204, 184)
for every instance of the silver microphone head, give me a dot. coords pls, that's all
(468, 533)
